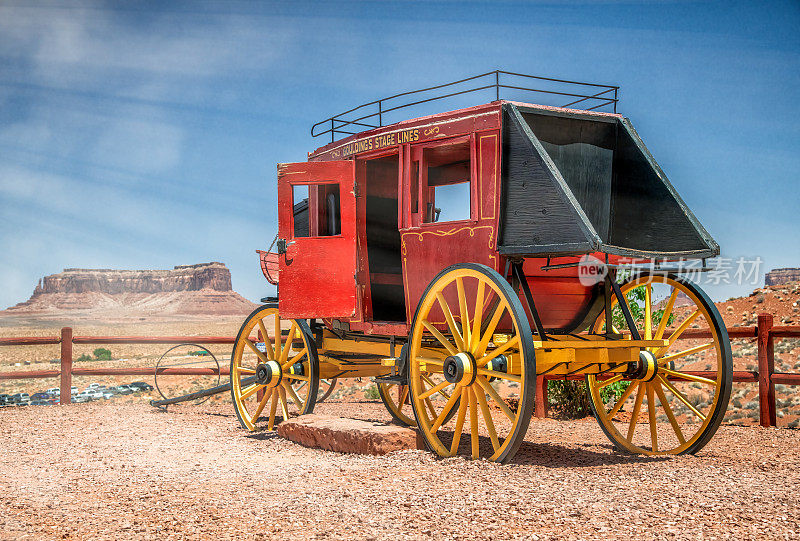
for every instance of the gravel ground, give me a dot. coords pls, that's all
(109, 471)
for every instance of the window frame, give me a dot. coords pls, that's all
(419, 185)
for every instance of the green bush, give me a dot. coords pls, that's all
(372, 393)
(84, 358)
(570, 399)
(102, 354)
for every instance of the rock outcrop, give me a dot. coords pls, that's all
(782, 276)
(203, 289)
(214, 276)
(348, 435)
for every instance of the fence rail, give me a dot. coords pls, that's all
(764, 332)
(67, 371)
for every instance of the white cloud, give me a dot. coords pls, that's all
(137, 145)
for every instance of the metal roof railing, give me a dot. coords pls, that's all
(371, 115)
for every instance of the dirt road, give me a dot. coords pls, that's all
(110, 471)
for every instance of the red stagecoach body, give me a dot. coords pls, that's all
(539, 184)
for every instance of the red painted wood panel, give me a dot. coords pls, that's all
(318, 274)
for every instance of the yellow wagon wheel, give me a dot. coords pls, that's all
(662, 405)
(276, 376)
(471, 340)
(396, 399)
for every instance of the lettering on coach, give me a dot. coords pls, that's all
(380, 141)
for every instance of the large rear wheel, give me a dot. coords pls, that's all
(676, 405)
(471, 343)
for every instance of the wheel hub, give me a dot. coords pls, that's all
(645, 369)
(460, 368)
(269, 373)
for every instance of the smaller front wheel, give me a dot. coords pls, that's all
(274, 373)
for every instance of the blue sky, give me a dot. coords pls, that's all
(145, 135)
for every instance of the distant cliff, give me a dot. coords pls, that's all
(782, 276)
(215, 276)
(203, 289)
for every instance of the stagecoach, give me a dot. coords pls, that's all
(458, 256)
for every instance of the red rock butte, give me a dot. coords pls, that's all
(782, 276)
(202, 289)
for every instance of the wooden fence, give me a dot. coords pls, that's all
(764, 332)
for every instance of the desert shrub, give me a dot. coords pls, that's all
(84, 358)
(371, 392)
(570, 399)
(737, 403)
(752, 405)
(102, 354)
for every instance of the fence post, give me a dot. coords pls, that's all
(766, 367)
(65, 394)
(541, 397)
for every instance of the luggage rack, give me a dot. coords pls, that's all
(364, 116)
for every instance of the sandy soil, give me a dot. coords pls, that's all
(111, 470)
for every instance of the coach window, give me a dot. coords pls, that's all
(316, 210)
(445, 182)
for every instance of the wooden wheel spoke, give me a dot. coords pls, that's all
(680, 396)
(284, 404)
(293, 394)
(464, 312)
(670, 415)
(665, 316)
(445, 410)
(501, 375)
(483, 361)
(496, 397)
(678, 332)
(635, 414)
(690, 351)
(440, 337)
(609, 381)
(625, 395)
(296, 376)
(267, 342)
(651, 415)
(430, 407)
(250, 389)
(473, 422)
(277, 332)
(260, 408)
(244, 370)
(487, 417)
(690, 377)
(648, 311)
(451, 323)
(288, 344)
(294, 359)
(273, 407)
(462, 413)
(403, 396)
(477, 319)
(430, 382)
(434, 389)
(499, 311)
(263, 358)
